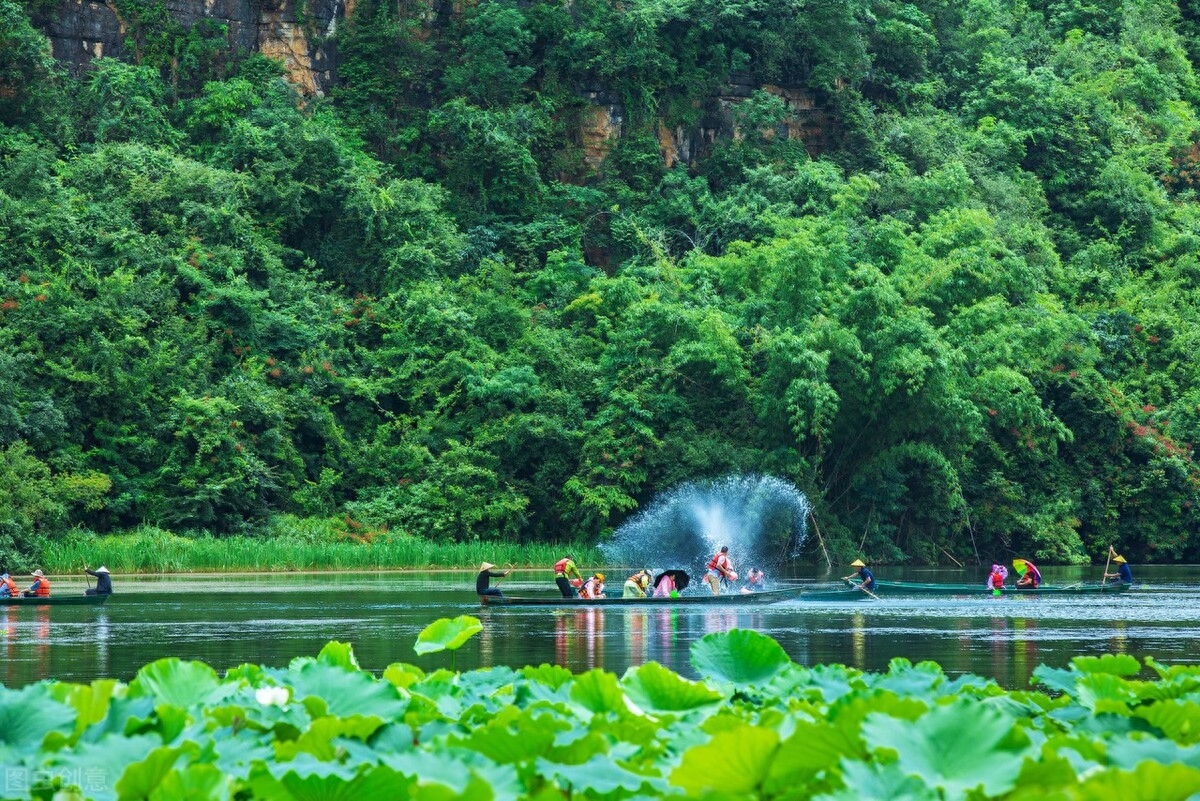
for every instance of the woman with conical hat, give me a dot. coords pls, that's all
(866, 577)
(1124, 572)
(486, 574)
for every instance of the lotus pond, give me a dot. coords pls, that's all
(754, 726)
(226, 621)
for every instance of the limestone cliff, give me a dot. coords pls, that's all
(300, 33)
(297, 33)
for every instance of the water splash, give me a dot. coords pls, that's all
(761, 518)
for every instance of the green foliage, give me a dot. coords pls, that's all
(324, 728)
(529, 265)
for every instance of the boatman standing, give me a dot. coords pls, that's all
(565, 569)
(1124, 573)
(719, 569)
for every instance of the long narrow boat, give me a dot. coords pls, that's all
(729, 599)
(54, 600)
(839, 594)
(883, 588)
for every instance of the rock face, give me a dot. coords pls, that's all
(297, 33)
(300, 33)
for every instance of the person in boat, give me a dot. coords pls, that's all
(103, 581)
(637, 584)
(755, 580)
(1124, 572)
(567, 576)
(40, 588)
(996, 578)
(593, 587)
(866, 579)
(1029, 577)
(8, 587)
(719, 569)
(486, 574)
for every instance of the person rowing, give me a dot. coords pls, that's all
(1124, 572)
(103, 581)
(866, 579)
(486, 574)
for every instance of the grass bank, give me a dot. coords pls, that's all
(302, 546)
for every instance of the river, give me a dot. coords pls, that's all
(229, 620)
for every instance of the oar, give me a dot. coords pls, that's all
(85, 574)
(507, 573)
(868, 592)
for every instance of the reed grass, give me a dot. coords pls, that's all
(153, 550)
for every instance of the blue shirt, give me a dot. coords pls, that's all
(1125, 573)
(868, 578)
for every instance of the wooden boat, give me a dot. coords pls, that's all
(838, 594)
(727, 599)
(54, 600)
(883, 588)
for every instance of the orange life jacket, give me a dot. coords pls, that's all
(719, 562)
(591, 589)
(560, 567)
(12, 587)
(43, 588)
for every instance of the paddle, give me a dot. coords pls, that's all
(86, 576)
(507, 573)
(1104, 580)
(868, 592)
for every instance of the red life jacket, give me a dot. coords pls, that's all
(560, 566)
(997, 580)
(719, 562)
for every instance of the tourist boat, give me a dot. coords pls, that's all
(883, 588)
(705, 599)
(54, 600)
(836, 594)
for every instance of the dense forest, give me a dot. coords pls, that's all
(963, 322)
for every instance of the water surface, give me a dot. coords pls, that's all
(269, 619)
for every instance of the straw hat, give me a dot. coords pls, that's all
(485, 566)
(38, 573)
(102, 569)
(857, 563)
(1119, 559)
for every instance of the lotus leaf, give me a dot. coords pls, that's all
(308, 779)
(550, 676)
(879, 780)
(956, 748)
(577, 745)
(905, 678)
(519, 743)
(197, 781)
(1179, 720)
(318, 740)
(338, 654)
(1105, 692)
(402, 676)
(1149, 781)
(1126, 753)
(599, 775)
(141, 778)
(26, 717)
(598, 691)
(346, 692)
(744, 758)
(812, 748)
(90, 701)
(104, 762)
(739, 656)
(178, 683)
(447, 634)
(656, 689)
(1115, 664)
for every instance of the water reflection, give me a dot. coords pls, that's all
(271, 619)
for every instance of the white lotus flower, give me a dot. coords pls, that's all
(272, 696)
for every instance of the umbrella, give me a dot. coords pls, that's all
(679, 576)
